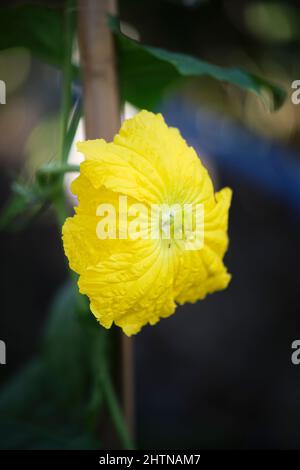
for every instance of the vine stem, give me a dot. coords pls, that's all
(69, 20)
(115, 411)
(59, 198)
(57, 170)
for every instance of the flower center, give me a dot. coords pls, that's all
(172, 222)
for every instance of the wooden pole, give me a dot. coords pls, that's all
(102, 120)
(101, 97)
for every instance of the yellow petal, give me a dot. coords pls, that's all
(202, 272)
(132, 288)
(121, 170)
(82, 245)
(177, 164)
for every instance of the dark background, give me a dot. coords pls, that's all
(217, 374)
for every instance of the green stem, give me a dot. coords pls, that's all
(72, 129)
(60, 208)
(115, 411)
(67, 77)
(57, 170)
(59, 201)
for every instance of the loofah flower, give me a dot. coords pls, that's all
(136, 280)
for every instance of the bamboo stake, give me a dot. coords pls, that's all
(102, 120)
(101, 98)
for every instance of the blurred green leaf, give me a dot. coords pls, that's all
(19, 435)
(31, 419)
(146, 72)
(55, 401)
(37, 28)
(75, 349)
(26, 202)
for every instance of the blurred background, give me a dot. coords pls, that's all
(217, 374)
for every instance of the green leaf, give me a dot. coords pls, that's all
(75, 348)
(37, 28)
(63, 390)
(22, 435)
(30, 418)
(146, 72)
(78, 354)
(55, 401)
(26, 202)
(30, 200)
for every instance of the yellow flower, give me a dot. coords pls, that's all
(132, 282)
